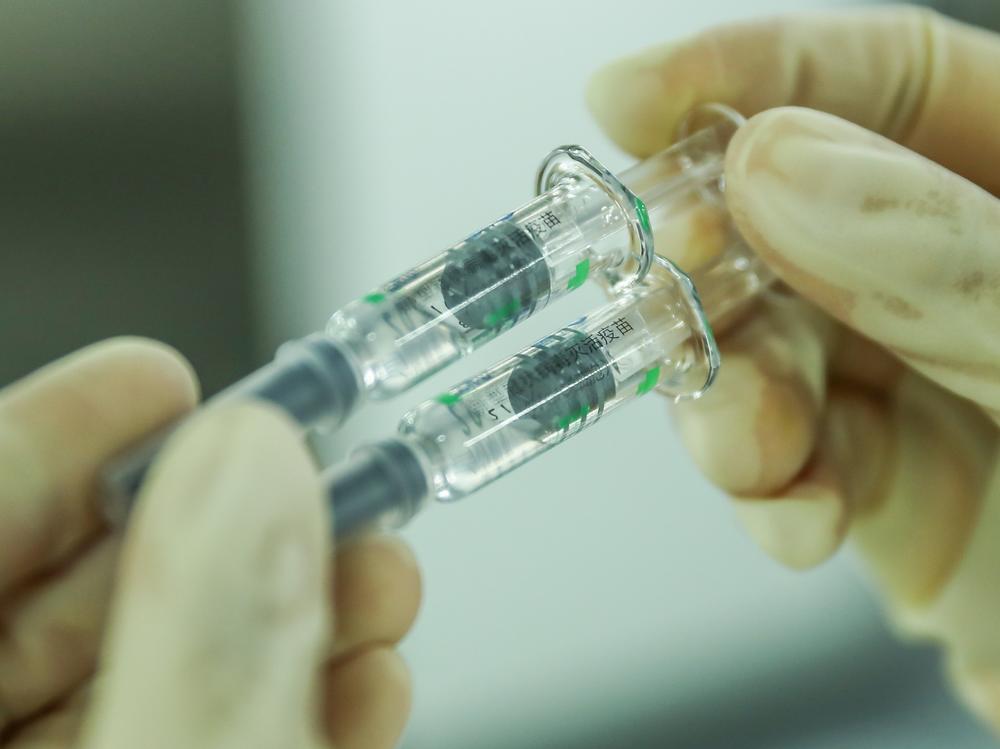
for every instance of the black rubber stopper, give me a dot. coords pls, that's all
(505, 265)
(325, 386)
(563, 382)
(382, 478)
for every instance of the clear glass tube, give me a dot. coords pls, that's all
(432, 315)
(489, 425)
(495, 422)
(423, 320)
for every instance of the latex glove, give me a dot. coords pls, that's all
(222, 632)
(867, 404)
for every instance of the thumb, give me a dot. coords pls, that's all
(220, 617)
(893, 245)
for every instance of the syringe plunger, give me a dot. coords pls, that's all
(310, 379)
(382, 484)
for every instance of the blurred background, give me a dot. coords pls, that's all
(223, 176)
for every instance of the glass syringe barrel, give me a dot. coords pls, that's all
(427, 318)
(489, 425)
(436, 313)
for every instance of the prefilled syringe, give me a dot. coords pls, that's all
(489, 425)
(585, 222)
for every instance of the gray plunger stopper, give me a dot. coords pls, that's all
(380, 484)
(311, 379)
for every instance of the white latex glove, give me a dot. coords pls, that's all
(866, 403)
(233, 624)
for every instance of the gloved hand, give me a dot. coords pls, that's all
(865, 404)
(232, 624)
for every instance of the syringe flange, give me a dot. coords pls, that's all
(575, 162)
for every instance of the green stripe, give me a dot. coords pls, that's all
(447, 399)
(580, 413)
(374, 298)
(493, 319)
(649, 381)
(582, 271)
(640, 208)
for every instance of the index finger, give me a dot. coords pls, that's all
(908, 73)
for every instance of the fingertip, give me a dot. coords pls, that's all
(881, 238)
(755, 429)
(641, 100)
(65, 421)
(757, 147)
(796, 181)
(157, 366)
(807, 521)
(226, 554)
(368, 700)
(753, 432)
(377, 592)
(637, 104)
(799, 531)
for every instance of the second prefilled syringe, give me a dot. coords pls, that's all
(585, 222)
(654, 336)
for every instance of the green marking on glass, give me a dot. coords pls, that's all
(640, 209)
(494, 319)
(582, 271)
(649, 381)
(577, 415)
(447, 399)
(374, 298)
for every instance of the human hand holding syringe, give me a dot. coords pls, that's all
(586, 222)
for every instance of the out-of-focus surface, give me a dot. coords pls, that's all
(121, 198)
(985, 13)
(603, 596)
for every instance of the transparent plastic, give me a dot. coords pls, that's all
(493, 423)
(586, 222)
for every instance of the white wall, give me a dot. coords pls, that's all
(607, 583)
